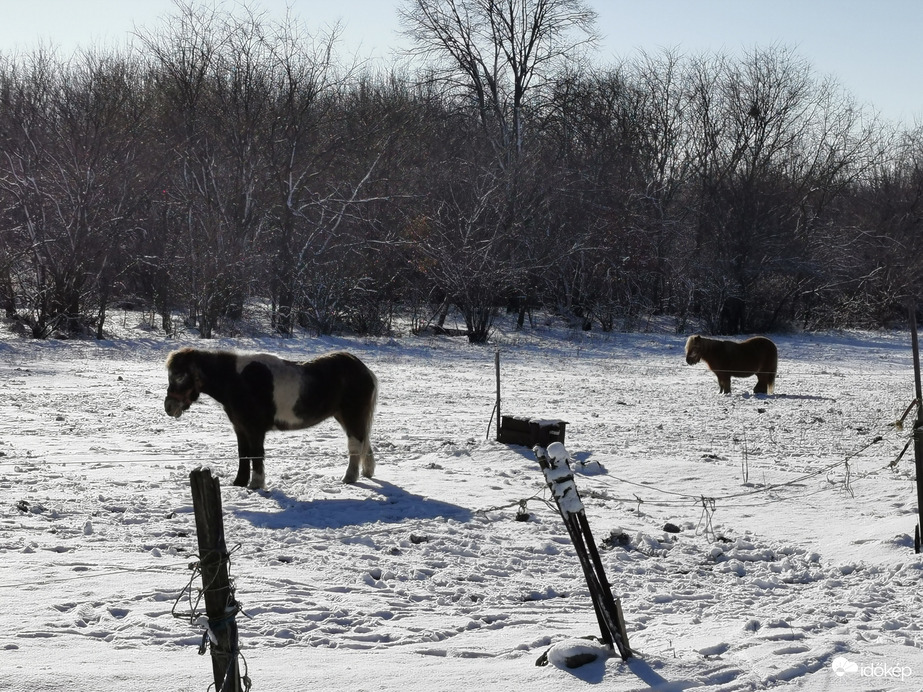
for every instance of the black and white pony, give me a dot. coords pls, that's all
(262, 392)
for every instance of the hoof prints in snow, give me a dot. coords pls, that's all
(427, 558)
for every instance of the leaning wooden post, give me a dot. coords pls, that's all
(220, 606)
(555, 466)
(917, 428)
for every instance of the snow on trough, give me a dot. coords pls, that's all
(789, 561)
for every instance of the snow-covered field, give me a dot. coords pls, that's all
(794, 565)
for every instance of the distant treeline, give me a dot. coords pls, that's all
(228, 159)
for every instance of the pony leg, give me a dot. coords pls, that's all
(258, 477)
(243, 453)
(250, 448)
(355, 455)
(724, 383)
(368, 458)
(766, 384)
(356, 425)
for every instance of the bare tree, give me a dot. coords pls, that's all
(301, 152)
(772, 146)
(211, 72)
(467, 249)
(875, 271)
(69, 171)
(495, 58)
(496, 51)
(235, 158)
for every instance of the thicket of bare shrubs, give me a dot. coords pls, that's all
(230, 159)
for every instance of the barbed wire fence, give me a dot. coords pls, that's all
(667, 496)
(617, 488)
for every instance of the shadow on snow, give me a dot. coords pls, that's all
(393, 505)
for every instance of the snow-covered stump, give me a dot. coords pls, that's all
(220, 605)
(555, 464)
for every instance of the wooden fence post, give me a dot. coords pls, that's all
(220, 605)
(555, 466)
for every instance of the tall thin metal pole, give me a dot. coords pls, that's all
(497, 364)
(914, 341)
(917, 429)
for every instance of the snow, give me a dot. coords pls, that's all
(561, 479)
(793, 565)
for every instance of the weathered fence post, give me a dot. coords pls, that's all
(555, 466)
(220, 605)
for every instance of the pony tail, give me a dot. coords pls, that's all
(366, 454)
(366, 450)
(373, 404)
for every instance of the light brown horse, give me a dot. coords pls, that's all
(756, 356)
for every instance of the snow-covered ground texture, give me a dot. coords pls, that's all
(793, 565)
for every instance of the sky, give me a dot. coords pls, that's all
(871, 47)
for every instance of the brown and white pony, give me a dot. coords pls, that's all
(756, 356)
(262, 392)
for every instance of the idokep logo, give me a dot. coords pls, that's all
(843, 666)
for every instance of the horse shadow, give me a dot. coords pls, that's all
(392, 505)
(793, 397)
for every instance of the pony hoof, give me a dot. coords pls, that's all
(240, 482)
(350, 478)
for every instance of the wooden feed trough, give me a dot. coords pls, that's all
(516, 430)
(530, 431)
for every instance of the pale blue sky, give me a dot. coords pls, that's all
(873, 47)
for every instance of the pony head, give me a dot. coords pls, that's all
(185, 381)
(693, 344)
